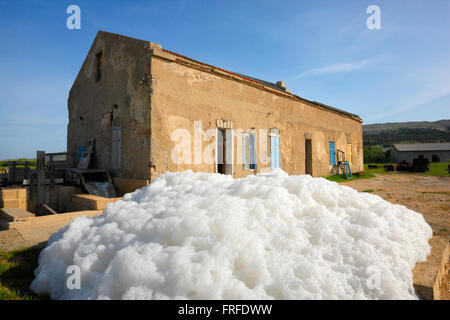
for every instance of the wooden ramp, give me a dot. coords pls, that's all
(37, 230)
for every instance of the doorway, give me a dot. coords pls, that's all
(308, 156)
(224, 151)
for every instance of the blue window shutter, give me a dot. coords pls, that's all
(274, 152)
(252, 151)
(278, 152)
(332, 154)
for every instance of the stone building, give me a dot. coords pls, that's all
(434, 152)
(152, 110)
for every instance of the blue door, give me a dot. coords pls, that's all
(274, 152)
(332, 154)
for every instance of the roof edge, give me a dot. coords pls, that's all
(175, 57)
(436, 144)
(156, 50)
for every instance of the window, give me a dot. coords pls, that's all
(332, 153)
(274, 150)
(98, 66)
(249, 152)
(349, 153)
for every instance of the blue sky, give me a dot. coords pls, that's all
(322, 49)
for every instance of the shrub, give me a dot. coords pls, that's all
(374, 154)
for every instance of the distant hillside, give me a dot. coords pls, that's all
(387, 134)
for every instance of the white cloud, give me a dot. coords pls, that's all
(427, 85)
(415, 101)
(335, 68)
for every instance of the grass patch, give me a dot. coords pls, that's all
(438, 169)
(17, 272)
(369, 191)
(3, 163)
(341, 178)
(32, 161)
(379, 170)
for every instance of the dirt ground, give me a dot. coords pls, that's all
(428, 195)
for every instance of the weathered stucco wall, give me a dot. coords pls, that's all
(182, 95)
(150, 93)
(118, 99)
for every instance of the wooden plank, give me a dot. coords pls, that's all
(29, 182)
(86, 158)
(50, 210)
(57, 153)
(86, 170)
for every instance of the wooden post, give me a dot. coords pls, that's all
(12, 172)
(40, 183)
(52, 190)
(26, 171)
(50, 162)
(33, 192)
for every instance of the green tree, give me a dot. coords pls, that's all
(374, 154)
